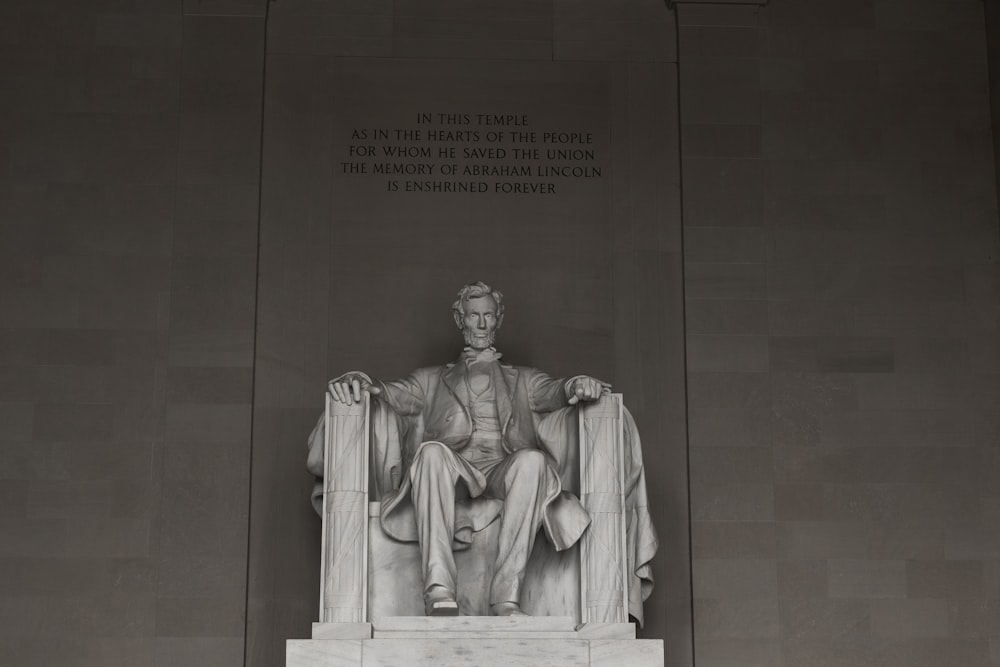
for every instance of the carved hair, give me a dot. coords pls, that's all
(475, 290)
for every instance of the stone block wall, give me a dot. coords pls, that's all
(842, 283)
(129, 159)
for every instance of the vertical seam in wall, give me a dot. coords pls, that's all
(552, 32)
(764, 53)
(170, 298)
(991, 10)
(392, 30)
(684, 365)
(256, 328)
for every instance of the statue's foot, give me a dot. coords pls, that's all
(439, 601)
(506, 609)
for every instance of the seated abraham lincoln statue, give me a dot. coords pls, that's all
(476, 432)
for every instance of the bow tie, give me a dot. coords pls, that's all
(471, 356)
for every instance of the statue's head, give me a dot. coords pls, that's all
(478, 312)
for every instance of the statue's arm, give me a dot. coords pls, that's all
(546, 393)
(405, 397)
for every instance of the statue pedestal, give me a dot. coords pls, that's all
(527, 641)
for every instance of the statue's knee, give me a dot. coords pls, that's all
(432, 453)
(529, 461)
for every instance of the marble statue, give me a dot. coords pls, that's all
(479, 446)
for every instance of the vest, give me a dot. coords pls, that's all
(485, 448)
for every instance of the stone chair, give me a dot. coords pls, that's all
(371, 604)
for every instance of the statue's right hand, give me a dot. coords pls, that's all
(347, 388)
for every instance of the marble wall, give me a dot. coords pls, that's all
(842, 287)
(128, 232)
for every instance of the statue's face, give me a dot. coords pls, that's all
(479, 324)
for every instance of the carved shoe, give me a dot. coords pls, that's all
(506, 609)
(439, 601)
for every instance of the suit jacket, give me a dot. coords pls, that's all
(439, 395)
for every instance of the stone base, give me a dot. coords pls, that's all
(474, 640)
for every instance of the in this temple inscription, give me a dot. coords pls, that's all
(472, 153)
(478, 442)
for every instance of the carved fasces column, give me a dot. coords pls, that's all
(603, 590)
(344, 575)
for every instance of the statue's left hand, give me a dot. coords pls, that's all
(347, 389)
(586, 388)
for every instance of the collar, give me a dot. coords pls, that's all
(471, 356)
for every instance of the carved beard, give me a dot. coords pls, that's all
(470, 338)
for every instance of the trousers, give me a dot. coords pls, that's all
(524, 481)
